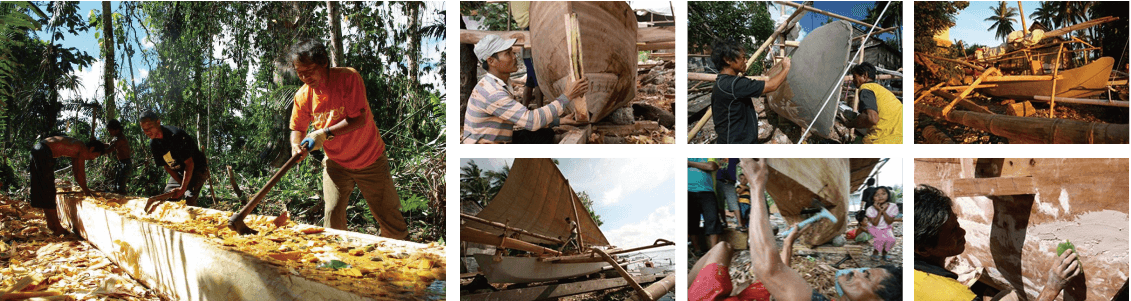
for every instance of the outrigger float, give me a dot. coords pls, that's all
(529, 214)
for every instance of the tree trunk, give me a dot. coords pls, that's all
(108, 74)
(467, 65)
(414, 39)
(335, 34)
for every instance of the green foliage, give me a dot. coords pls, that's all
(1003, 18)
(1065, 246)
(932, 17)
(227, 82)
(492, 16)
(745, 22)
(588, 202)
(334, 264)
(1112, 36)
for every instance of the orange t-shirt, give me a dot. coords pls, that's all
(342, 96)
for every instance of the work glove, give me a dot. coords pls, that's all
(314, 140)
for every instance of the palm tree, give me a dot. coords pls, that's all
(496, 178)
(1003, 18)
(473, 185)
(1045, 14)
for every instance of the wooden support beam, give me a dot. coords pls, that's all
(1055, 72)
(579, 135)
(554, 291)
(479, 236)
(640, 292)
(789, 22)
(1034, 129)
(1019, 78)
(885, 30)
(508, 229)
(954, 88)
(992, 186)
(184, 266)
(814, 9)
(655, 46)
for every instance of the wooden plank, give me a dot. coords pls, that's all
(708, 77)
(184, 266)
(992, 186)
(629, 129)
(655, 34)
(655, 46)
(473, 36)
(555, 291)
(577, 135)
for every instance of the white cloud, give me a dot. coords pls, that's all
(617, 177)
(659, 224)
(90, 80)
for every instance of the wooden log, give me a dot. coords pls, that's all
(184, 266)
(1034, 129)
(699, 125)
(1019, 78)
(1078, 26)
(1011, 241)
(789, 22)
(655, 46)
(966, 92)
(933, 135)
(650, 112)
(814, 9)
(467, 36)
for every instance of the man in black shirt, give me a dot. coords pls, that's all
(736, 121)
(177, 152)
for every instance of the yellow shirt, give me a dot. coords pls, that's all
(520, 11)
(931, 287)
(889, 129)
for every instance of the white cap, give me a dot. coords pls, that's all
(490, 45)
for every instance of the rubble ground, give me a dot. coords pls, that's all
(817, 267)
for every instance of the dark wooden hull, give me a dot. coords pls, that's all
(608, 40)
(1085, 81)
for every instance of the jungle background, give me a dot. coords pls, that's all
(219, 71)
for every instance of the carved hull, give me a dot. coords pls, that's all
(794, 183)
(1088, 80)
(608, 40)
(1016, 211)
(528, 269)
(816, 68)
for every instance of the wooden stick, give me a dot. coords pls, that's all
(576, 217)
(508, 228)
(924, 94)
(946, 110)
(813, 9)
(699, 125)
(1055, 72)
(235, 186)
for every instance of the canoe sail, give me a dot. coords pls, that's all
(608, 41)
(537, 198)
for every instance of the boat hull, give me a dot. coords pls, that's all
(608, 41)
(528, 269)
(1012, 230)
(1085, 81)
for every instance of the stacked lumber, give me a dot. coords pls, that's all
(188, 253)
(34, 263)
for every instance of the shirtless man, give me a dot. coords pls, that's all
(42, 169)
(120, 146)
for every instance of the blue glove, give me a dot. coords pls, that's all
(307, 143)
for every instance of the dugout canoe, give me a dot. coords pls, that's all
(1085, 81)
(608, 41)
(794, 183)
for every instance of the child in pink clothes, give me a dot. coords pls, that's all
(879, 218)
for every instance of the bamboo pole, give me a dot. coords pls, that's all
(1055, 72)
(813, 9)
(508, 228)
(699, 125)
(1021, 13)
(795, 16)
(1086, 101)
(924, 94)
(640, 292)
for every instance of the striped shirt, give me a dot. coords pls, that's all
(493, 114)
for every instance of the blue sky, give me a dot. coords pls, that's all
(91, 77)
(635, 197)
(972, 28)
(852, 9)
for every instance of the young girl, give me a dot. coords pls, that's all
(879, 218)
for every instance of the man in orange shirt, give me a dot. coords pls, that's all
(333, 101)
